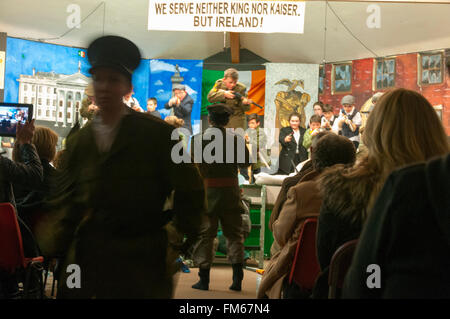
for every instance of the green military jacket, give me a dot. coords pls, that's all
(216, 96)
(107, 212)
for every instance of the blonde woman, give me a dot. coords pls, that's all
(28, 199)
(401, 130)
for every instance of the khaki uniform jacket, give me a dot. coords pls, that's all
(303, 201)
(223, 199)
(107, 215)
(216, 96)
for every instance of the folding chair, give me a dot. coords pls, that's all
(12, 259)
(340, 263)
(305, 267)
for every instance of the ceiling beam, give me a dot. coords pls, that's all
(235, 47)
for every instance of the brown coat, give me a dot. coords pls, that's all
(303, 201)
(288, 182)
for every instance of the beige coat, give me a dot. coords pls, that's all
(303, 201)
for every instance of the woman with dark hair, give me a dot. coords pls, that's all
(292, 151)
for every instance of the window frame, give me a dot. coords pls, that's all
(375, 73)
(420, 67)
(333, 77)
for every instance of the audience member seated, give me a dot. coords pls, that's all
(28, 172)
(285, 186)
(401, 130)
(303, 201)
(31, 199)
(408, 236)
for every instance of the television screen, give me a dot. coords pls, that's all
(11, 114)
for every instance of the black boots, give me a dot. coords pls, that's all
(203, 284)
(238, 275)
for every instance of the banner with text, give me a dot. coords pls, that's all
(227, 16)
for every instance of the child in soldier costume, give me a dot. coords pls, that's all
(227, 91)
(224, 202)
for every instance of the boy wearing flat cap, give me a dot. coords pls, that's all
(182, 104)
(224, 202)
(349, 120)
(108, 211)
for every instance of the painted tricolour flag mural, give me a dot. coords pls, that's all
(254, 81)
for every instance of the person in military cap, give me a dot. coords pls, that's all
(107, 214)
(232, 93)
(224, 202)
(349, 120)
(182, 104)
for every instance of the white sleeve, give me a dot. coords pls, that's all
(357, 120)
(335, 127)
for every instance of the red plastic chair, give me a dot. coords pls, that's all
(340, 263)
(305, 267)
(12, 259)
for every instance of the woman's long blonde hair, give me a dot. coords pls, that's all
(402, 129)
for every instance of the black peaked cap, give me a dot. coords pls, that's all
(114, 52)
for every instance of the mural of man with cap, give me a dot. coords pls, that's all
(107, 214)
(182, 104)
(349, 120)
(226, 91)
(223, 196)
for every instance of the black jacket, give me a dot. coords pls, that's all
(28, 173)
(288, 150)
(408, 235)
(183, 111)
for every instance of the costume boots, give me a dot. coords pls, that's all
(238, 275)
(203, 284)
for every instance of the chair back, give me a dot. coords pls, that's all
(340, 263)
(305, 267)
(11, 249)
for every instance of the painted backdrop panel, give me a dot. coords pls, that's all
(289, 88)
(163, 73)
(53, 78)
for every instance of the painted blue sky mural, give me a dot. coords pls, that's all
(24, 55)
(151, 79)
(161, 71)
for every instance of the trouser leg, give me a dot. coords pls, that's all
(204, 250)
(233, 232)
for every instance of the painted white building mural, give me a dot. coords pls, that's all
(56, 97)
